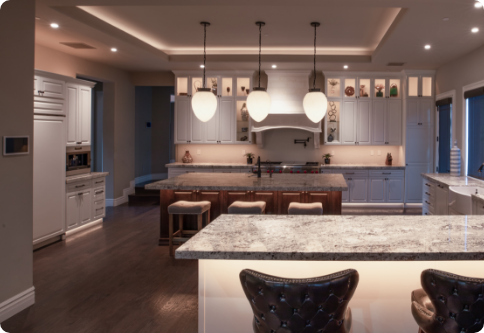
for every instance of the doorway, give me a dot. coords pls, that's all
(444, 135)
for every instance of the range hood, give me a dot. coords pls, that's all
(287, 90)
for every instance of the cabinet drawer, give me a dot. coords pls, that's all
(429, 186)
(80, 186)
(352, 173)
(427, 196)
(98, 182)
(52, 106)
(99, 194)
(98, 210)
(429, 205)
(387, 173)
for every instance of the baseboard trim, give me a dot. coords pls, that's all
(84, 227)
(413, 205)
(124, 198)
(16, 304)
(372, 205)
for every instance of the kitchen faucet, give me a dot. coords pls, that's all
(480, 169)
(259, 175)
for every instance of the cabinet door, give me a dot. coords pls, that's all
(412, 112)
(418, 145)
(322, 197)
(394, 190)
(182, 119)
(85, 207)
(424, 111)
(72, 104)
(441, 201)
(212, 128)
(196, 129)
(348, 122)
(227, 121)
(286, 198)
(413, 182)
(270, 198)
(413, 86)
(345, 195)
(358, 189)
(393, 133)
(84, 116)
(37, 85)
(73, 214)
(98, 210)
(364, 123)
(233, 196)
(53, 88)
(480, 209)
(376, 190)
(379, 122)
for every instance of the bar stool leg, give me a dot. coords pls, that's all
(170, 233)
(180, 224)
(208, 217)
(200, 221)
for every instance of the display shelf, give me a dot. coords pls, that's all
(334, 87)
(364, 88)
(182, 86)
(380, 88)
(243, 86)
(242, 122)
(197, 82)
(395, 88)
(212, 83)
(426, 86)
(413, 86)
(332, 123)
(227, 89)
(350, 88)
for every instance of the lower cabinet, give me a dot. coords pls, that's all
(358, 189)
(435, 199)
(477, 208)
(385, 190)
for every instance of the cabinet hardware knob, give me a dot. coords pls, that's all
(99, 209)
(80, 186)
(79, 193)
(79, 143)
(99, 192)
(427, 193)
(428, 203)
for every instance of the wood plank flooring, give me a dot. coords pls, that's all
(112, 278)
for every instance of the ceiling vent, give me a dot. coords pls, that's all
(78, 45)
(395, 64)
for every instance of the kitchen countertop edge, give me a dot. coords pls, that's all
(80, 178)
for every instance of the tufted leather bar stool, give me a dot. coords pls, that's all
(318, 305)
(448, 303)
(247, 208)
(296, 208)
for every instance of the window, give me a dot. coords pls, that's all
(475, 135)
(444, 139)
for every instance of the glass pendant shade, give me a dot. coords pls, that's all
(204, 104)
(259, 104)
(315, 105)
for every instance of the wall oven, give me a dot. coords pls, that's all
(78, 161)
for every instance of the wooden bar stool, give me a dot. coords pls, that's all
(182, 208)
(247, 208)
(296, 208)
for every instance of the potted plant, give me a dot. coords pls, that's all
(249, 156)
(327, 158)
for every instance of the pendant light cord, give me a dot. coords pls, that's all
(314, 81)
(204, 51)
(260, 47)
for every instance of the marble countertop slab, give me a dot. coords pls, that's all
(363, 167)
(445, 179)
(88, 176)
(342, 238)
(479, 198)
(244, 182)
(210, 165)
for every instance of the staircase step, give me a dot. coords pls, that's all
(140, 188)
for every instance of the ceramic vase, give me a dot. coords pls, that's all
(330, 138)
(249, 161)
(455, 161)
(187, 158)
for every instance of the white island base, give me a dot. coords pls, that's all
(381, 303)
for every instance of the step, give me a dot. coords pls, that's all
(140, 188)
(143, 200)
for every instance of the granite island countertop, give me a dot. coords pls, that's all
(244, 182)
(88, 176)
(342, 238)
(210, 165)
(363, 167)
(445, 179)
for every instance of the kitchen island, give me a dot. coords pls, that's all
(389, 252)
(222, 190)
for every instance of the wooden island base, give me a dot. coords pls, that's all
(277, 203)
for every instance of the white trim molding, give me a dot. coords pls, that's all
(464, 123)
(84, 227)
(451, 94)
(17, 303)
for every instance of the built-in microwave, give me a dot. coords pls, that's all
(78, 160)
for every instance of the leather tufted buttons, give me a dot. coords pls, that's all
(440, 319)
(331, 316)
(308, 322)
(331, 292)
(442, 298)
(306, 296)
(262, 316)
(452, 315)
(466, 307)
(432, 282)
(294, 311)
(455, 291)
(341, 300)
(284, 324)
(273, 308)
(477, 321)
(272, 331)
(320, 307)
(282, 298)
(340, 323)
(480, 296)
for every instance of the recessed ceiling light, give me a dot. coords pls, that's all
(202, 66)
(114, 49)
(54, 25)
(474, 30)
(274, 66)
(446, 18)
(427, 47)
(345, 66)
(478, 4)
(37, 18)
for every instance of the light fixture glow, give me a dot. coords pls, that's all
(315, 103)
(259, 102)
(114, 49)
(54, 25)
(274, 66)
(478, 4)
(474, 30)
(427, 47)
(204, 102)
(345, 66)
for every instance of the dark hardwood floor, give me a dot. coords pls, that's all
(115, 278)
(112, 278)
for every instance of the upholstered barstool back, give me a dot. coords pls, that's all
(448, 303)
(300, 305)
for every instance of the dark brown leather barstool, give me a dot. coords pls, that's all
(300, 305)
(448, 303)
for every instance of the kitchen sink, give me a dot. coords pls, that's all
(460, 198)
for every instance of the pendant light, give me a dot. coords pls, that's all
(315, 102)
(259, 101)
(204, 102)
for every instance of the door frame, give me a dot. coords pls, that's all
(468, 87)
(451, 94)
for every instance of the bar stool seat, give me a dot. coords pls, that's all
(296, 208)
(247, 208)
(182, 208)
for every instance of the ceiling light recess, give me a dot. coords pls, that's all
(114, 49)
(474, 30)
(259, 102)
(427, 47)
(315, 103)
(345, 66)
(478, 4)
(274, 66)
(54, 25)
(204, 102)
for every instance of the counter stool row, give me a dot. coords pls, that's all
(447, 303)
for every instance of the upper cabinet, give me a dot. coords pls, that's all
(49, 96)
(420, 86)
(78, 103)
(231, 122)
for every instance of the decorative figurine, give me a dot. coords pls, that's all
(349, 91)
(187, 158)
(214, 86)
(244, 112)
(379, 87)
(389, 159)
(333, 83)
(228, 90)
(332, 113)
(393, 90)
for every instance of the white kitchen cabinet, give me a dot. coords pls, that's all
(376, 190)
(394, 190)
(72, 216)
(79, 208)
(379, 122)
(349, 116)
(387, 122)
(388, 190)
(78, 101)
(477, 208)
(441, 200)
(419, 86)
(413, 182)
(182, 120)
(49, 205)
(227, 122)
(358, 189)
(363, 124)
(49, 96)
(85, 206)
(196, 129)
(419, 111)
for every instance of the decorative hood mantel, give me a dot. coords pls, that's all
(287, 90)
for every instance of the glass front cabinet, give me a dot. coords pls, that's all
(231, 122)
(420, 86)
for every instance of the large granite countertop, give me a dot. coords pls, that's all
(88, 176)
(210, 165)
(342, 238)
(244, 182)
(445, 179)
(363, 167)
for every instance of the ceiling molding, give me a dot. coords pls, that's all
(279, 58)
(398, 19)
